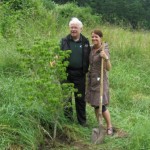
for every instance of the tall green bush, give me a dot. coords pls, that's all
(70, 10)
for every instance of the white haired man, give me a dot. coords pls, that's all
(77, 69)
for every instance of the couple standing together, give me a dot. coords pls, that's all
(85, 59)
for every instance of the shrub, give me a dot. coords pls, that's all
(36, 108)
(70, 10)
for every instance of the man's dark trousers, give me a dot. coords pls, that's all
(77, 77)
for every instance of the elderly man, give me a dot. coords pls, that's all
(77, 69)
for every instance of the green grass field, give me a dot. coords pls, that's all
(29, 112)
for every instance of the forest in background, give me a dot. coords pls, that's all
(133, 13)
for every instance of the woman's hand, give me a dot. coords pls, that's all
(103, 55)
(107, 64)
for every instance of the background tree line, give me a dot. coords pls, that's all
(135, 13)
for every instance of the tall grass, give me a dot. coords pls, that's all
(130, 83)
(21, 118)
(16, 122)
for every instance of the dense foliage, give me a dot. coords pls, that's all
(32, 93)
(123, 12)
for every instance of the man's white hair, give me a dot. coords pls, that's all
(75, 20)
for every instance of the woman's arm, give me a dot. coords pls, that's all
(105, 55)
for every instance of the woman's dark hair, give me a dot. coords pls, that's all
(98, 32)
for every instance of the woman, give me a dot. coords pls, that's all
(93, 89)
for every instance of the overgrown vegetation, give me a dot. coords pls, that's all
(31, 71)
(135, 13)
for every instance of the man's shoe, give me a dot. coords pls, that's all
(84, 124)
